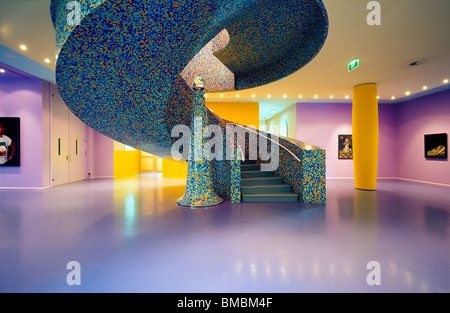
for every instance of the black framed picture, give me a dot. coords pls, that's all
(345, 145)
(436, 146)
(9, 141)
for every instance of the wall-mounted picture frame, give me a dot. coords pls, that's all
(345, 145)
(9, 141)
(435, 146)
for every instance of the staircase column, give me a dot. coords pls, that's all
(199, 187)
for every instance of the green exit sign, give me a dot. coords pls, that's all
(353, 64)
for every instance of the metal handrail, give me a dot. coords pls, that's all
(280, 145)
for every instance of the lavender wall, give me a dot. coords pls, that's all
(415, 118)
(102, 156)
(321, 123)
(22, 97)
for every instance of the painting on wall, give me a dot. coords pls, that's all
(436, 146)
(345, 145)
(9, 141)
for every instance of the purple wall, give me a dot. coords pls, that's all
(321, 123)
(415, 118)
(22, 97)
(102, 156)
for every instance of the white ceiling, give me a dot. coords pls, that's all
(410, 30)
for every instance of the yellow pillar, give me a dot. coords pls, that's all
(365, 136)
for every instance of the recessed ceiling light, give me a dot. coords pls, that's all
(206, 95)
(393, 98)
(221, 95)
(331, 97)
(316, 96)
(23, 47)
(263, 118)
(268, 96)
(300, 96)
(445, 81)
(237, 96)
(47, 60)
(407, 93)
(273, 111)
(378, 97)
(253, 96)
(285, 96)
(346, 97)
(425, 87)
(2, 70)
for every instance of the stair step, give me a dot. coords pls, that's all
(261, 181)
(251, 190)
(256, 174)
(271, 197)
(250, 167)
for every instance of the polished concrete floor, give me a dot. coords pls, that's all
(129, 235)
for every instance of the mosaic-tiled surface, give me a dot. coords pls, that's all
(119, 70)
(199, 187)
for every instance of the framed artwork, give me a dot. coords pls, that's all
(436, 146)
(345, 145)
(9, 141)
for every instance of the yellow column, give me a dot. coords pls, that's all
(365, 136)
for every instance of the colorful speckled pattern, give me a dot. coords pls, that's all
(307, 178)
(199, 188)
(119, 71)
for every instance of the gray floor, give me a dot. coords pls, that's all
(129, 235)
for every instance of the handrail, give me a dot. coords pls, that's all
(280, 145)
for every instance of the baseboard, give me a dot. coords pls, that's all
(424, 182)
(24, 188)
(397, 178)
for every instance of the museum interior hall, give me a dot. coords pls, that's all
(224, 146)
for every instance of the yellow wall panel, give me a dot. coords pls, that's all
(245, 113)
(126, 163)
(174, 169)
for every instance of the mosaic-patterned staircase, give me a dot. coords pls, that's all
(263, 186)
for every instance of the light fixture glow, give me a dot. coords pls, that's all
(285, 96)
(331, 97)
(346, 97)
(425, 87)
(2, 70)
(316, 96)
(273, 111)
(445, 81)
(23, 47)
(407, 93)
(221, 95)
(263, 118)
(237, 96)
(300, 96)
(393, 98)
(268, 96)
(378, 97)
(253, 96)
(206, 95)
(47, 60)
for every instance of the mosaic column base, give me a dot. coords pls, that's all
(199, 187)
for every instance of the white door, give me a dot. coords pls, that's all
(68, 143)
(60, 139)
(77, 148)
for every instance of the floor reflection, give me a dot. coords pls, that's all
(129, 235)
